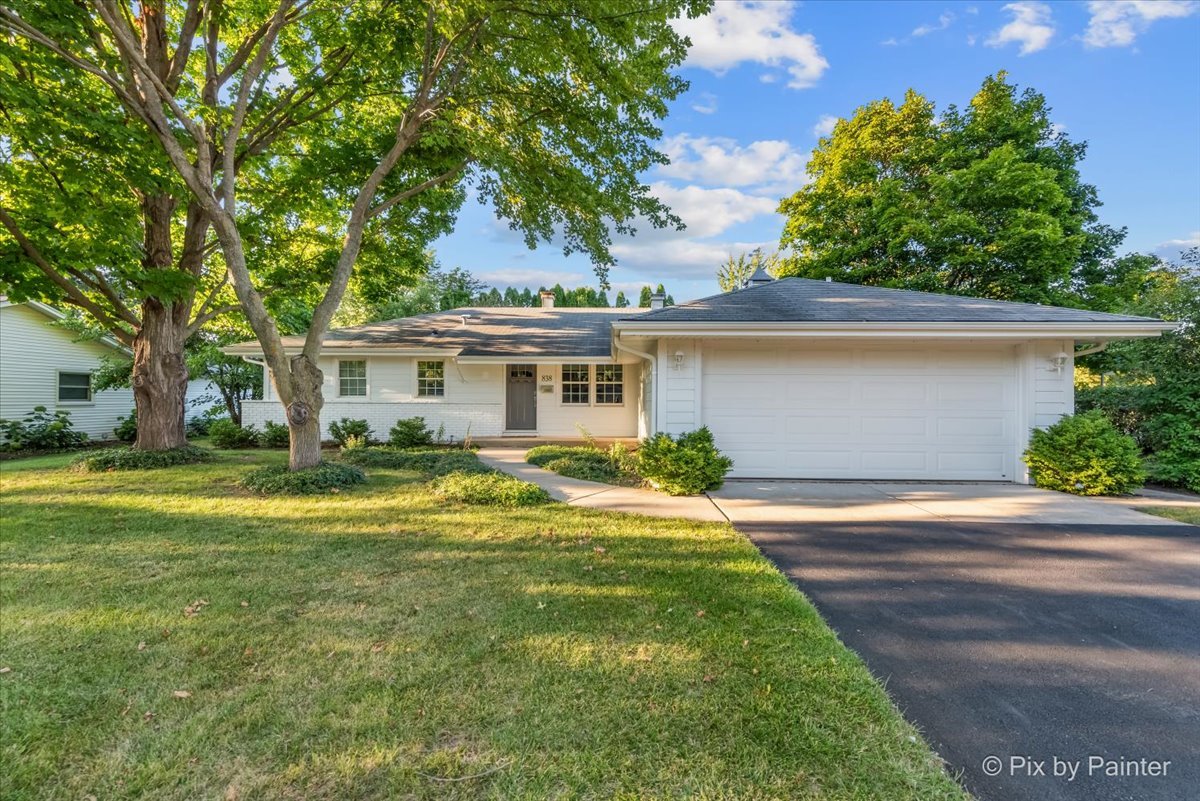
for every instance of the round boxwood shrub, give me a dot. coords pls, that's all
(489, 489)
(228, 435)
(410, 432)
(1084, 454)
(686, 465)
(347, 427)
(126, 430)
(274, 435)
(132, 459)
(324, 478)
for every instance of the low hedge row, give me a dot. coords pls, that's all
(131, 459)
(430, 461)
(490, 488)
(327, 477)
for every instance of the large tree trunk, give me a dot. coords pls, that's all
(304, 414)
(160, 379)
(160, 374)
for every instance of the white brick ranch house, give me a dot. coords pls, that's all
(796, 378)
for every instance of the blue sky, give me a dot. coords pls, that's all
(768, 78)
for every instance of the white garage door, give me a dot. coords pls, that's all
(865, 412)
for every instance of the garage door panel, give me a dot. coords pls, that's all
(895, 427)
(975, 428)
(894, 394)
(863, 412)
(816, 427)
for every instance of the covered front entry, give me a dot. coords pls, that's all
(860, 411)
(521, 398)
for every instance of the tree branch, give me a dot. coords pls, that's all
(73, 293)
(411, 192)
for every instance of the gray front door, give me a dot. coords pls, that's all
(522, 398)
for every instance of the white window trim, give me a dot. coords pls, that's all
(591, 401)
(338, 378)
(416, 386)
(91, 398)
(596, 382)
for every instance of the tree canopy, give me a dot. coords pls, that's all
(985, 200)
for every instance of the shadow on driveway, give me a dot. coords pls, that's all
(1021, 640)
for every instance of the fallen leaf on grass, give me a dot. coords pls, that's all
(142, 645)
(182, 694)
(5, 670)
(709, 677)
(245, 603)
(600, 549)
(148, 716)
(377, 647)
(699, 613)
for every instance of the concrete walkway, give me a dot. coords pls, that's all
(595, 495)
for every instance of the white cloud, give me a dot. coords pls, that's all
(739, 31)
(534, 278)
(942, 24)
(1031, 26)
(971, 39)
(684, 258)
(825, 125)
(717, 161)
(890, 42)
(706, 103)
(1117, 23)
(707, 212)
(1191, 241)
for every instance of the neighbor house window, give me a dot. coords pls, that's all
(352, 379)
(431, 379)
(575, 386)
(610, 383)
(74, 386)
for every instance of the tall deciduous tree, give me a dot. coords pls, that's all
(736, 270)
(549, 109)
(986, 200)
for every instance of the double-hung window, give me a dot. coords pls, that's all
(352, 378)
(431, 379)
(576, 387)
(610, 384)
(74, 387)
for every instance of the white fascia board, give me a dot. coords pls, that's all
(256, 351)
(1083, 330)
(538, 360)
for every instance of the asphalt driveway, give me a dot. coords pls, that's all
(1025, 633)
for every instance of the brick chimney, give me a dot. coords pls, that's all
(657, 300)
(547, 299)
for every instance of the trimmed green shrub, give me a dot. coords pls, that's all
(544, 454)
(126, 430)
(42, 430)
(1084, 454)
(199, 425)
(327, 477)
(410, 432)
(489, 489)
(685, 465)
(347, 427)
(430, 461)
(228, 435)
(131, 459)
(274, 435)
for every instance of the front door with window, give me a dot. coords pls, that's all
(522, 398)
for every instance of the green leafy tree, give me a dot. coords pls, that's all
(644, 298)
(736, 270)
(622, 302)
(985, 201)
(529, 103)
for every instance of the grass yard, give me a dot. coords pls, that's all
(1184, 514)
(168, 635)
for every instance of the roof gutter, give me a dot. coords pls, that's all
(951, 330)
(653, 422)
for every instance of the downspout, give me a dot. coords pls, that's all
(653, 427)
(266, 372)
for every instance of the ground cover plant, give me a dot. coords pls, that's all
(127, 458)
(616, 465)
(183, 638)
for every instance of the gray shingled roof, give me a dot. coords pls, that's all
(798, 300)
(488, 331)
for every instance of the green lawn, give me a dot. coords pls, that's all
(168, 635)
(1184, 514)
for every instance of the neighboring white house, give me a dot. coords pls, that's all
(795, 378)
(44, 365)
